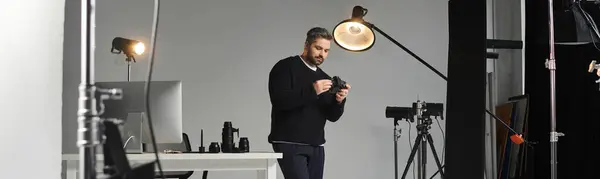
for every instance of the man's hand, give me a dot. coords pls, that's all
(322, 86)
(340, 96)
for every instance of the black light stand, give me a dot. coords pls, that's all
(398, 113)
(396, 137)
(94, 130)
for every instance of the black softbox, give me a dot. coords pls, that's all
(576, 23)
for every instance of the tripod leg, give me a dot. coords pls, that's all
(435, 156)
(422, 159)
(412, 154)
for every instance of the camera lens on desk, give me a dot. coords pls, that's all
(227, 144)
(214, 147)
(244, 145)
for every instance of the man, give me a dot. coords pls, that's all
(301, 105)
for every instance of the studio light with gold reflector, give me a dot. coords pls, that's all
(354, 34)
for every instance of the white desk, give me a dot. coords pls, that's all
(264, 163)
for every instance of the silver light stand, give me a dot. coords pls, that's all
(137, 140)
(129, 70)
(551, 65)
(397, 134)
(130, 60)
(87, 136)
(89, 133)
(94, 131)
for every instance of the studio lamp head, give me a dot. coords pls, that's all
(128, 47)
(354, 34)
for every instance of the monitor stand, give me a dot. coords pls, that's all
(132, 132)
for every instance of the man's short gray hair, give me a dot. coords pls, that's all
(316, 33)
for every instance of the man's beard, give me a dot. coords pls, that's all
(316, 61)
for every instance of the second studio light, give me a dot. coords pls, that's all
(128, 47)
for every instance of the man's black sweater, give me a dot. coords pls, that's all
(298, 114)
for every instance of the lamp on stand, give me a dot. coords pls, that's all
(129, 48)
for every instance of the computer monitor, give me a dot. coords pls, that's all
(165, 107)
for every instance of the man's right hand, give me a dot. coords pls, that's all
(322, 86)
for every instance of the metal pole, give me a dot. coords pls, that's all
(551, 65)
(128, 71)
(395, 150)
(87, 136)
(420, 166)
(492, 126)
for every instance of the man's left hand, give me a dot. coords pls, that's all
(340, 96)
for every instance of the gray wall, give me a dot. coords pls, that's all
(31, 78)
(506, 24)
(506, 75)
(199, 40)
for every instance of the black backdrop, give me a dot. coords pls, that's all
(578, 96)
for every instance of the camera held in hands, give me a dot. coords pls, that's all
(337, 85)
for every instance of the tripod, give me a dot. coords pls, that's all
(423, 131)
